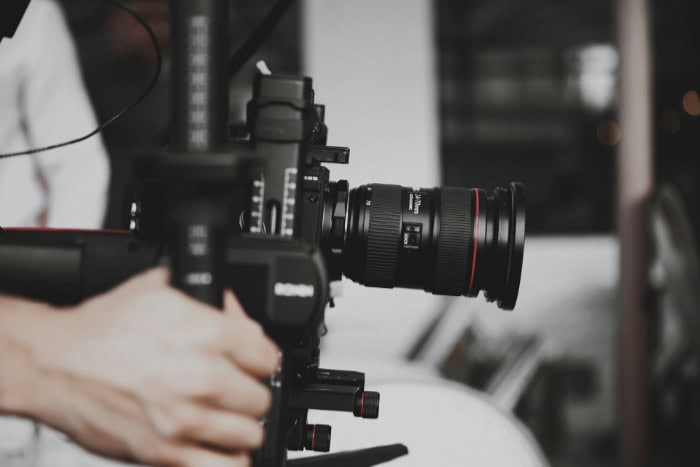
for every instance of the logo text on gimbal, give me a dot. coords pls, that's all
(284, 289)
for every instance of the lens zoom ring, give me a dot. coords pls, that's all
(383, 235)
(454, 242)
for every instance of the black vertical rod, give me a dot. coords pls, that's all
(200, 53)
(200, 106)
(198, 246)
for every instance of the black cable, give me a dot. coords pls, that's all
(127, 109)
(241, 56)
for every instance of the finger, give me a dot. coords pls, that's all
(236, 391)
(191, 456)
(232, 307)
(249, 348)
(225, 431)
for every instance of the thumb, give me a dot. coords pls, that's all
(232, 307)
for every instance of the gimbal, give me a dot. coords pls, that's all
(259, 214)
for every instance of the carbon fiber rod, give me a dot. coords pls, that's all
(200, 60)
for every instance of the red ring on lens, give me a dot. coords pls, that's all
(476, 242)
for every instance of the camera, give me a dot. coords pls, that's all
(448, 241)
(261, 216)
(291, 231)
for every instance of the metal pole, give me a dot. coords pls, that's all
(635, 185)
(200, 53)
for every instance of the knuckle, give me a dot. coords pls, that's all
(181, 423)
(208, 386)
(209, 332)
(187, 423)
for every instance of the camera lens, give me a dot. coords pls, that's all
(449, 241)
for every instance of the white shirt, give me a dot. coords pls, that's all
(42, 102)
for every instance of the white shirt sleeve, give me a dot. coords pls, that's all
(56, 109)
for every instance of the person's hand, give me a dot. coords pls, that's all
(144, 373)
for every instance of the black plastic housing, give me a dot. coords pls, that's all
(281, 283)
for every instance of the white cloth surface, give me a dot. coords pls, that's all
(442, 423)
(43, 102)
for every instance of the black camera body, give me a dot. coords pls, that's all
(254, 224)
(263, 218)
(275, 179)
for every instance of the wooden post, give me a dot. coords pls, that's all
(635, 185)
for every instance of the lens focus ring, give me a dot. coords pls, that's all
(383, 235)
(454, 242)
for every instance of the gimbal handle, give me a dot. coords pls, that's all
(200, 113)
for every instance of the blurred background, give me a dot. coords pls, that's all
(481, 93)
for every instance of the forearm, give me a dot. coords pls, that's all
(22, 333)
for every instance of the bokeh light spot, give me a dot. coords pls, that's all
(609, 133)
(691, 103)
